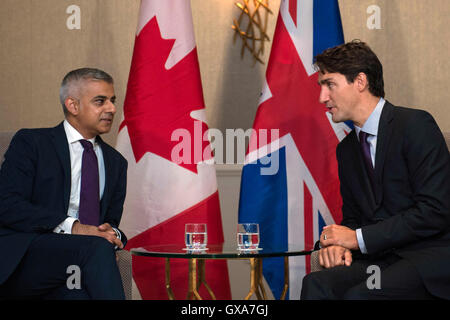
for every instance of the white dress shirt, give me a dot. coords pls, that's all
(76, 155)
(370, 127)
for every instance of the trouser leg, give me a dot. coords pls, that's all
(397, 281)
(331, 284)
(54, 261)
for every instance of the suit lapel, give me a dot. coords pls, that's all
(108, 167)
(59, 139)
(361, 170)
(383, 138)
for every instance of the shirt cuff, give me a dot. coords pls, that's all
(65, 226)
(118, 234)
(359, 237)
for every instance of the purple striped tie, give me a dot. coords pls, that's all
(365, 150)
(89, 210)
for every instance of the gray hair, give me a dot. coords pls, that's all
(71, 82)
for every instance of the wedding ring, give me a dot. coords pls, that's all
(324, 237)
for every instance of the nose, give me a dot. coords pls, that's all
(324, 95)
(111, 107)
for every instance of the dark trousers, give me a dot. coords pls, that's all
(398, 280)
(58, 266)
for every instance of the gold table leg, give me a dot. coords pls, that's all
(168, 287)
(192, 286)
(256, 280)
(196, 278)
(201, 278)
(286, 278)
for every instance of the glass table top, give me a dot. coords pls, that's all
(225, 251)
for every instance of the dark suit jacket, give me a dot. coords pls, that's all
(35, 180)
(409, 211)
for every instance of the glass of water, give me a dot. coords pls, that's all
(196, 237)
(248, 236)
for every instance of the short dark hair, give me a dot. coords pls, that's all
(80, 74)
(350, 59)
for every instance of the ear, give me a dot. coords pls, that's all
(361, 82)
(72, 105)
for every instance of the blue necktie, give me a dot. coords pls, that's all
(89, 209)
(365, 150)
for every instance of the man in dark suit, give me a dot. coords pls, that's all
(394, 170)
(62, 191)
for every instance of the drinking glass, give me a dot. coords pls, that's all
(248, 236)
(196, 237)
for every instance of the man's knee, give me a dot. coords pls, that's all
(96, 251)
(105, 247)
(312, 287)
(101, 248)
(101, 276)
(359, 292)
(309, 280)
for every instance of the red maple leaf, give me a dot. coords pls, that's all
(159, 101)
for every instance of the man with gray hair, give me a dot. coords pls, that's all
(62, 191)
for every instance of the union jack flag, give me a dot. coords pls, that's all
(293, 204)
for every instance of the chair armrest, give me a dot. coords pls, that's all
(124, 265)
(315, 265)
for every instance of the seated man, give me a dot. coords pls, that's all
(62, 191)
(394, 170)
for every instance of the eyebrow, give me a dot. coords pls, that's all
(325, 81)
(103, 97)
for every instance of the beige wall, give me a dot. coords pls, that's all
(413, 45)
(37, 49)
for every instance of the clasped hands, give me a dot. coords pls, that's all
(104, 230)
(336, 242)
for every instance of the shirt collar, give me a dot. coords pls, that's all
(371, 124)
(73, 135)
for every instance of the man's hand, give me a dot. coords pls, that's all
(333, 256)
(105, 230)
(106, 227)
(339, 236)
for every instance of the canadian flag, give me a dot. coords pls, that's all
(164, 103)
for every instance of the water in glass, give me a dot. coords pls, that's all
(196, 236)
(248, 236)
